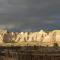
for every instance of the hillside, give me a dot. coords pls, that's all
(29, 38)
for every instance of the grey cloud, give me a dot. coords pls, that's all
(31, 7)
(3, 6)
(8, 26)
(26, 14)
(34, 13)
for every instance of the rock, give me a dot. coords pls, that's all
(44, 38)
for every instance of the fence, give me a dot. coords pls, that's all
(29, 53)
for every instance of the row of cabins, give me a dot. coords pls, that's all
(41, 36)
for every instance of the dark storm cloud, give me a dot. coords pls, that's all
(3, 6)
(3, 11)
(33, 8)
(26, 14)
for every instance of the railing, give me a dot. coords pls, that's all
(30, 57)
(29, 53)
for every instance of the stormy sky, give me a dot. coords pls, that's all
(29, 15)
